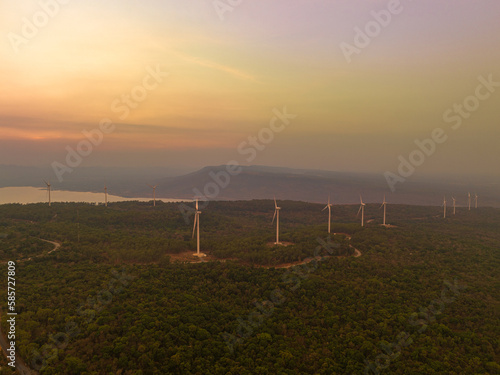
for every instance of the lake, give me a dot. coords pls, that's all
(26, 195)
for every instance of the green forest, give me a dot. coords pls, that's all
(123, 294)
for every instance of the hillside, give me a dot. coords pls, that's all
(116, 297)
(258, 182)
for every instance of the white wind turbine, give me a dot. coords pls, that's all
(454, 204)
(444, 207)
(154, 194)
(196, 228)
(475, 198)
(277, 217)
(384, 204)
(468, 194)
(362, 209)
(48, 189)
(329, 206)
(105, 195)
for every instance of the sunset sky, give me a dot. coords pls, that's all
(225, 77)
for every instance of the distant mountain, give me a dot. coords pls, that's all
(84, 178)
(258, 182)
(261, 182)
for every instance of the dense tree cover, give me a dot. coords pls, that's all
(135, 232)
(113, 303)
(5, 369)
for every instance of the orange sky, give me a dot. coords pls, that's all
(226, 76)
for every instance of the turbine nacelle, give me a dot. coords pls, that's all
(328, 205)
(383, 203)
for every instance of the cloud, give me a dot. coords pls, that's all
(216, 66)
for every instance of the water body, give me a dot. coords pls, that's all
(27, 195)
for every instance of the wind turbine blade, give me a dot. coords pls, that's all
(359, 210)
(325, 208)
(275, 204)
(360, 199)
(328, 199)
(274, 216)
(196, 204)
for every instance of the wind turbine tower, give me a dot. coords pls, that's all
(329, 206)
(154, 195)
(105, 195)
(48, 189)
(362, 209)
(277, 217)
(475, 198)
(196, 228)
(78, 224)
(468, 194)
(454, 204)
(444, 208)
(384, 204)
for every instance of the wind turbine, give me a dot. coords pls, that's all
(48, 189)
(277, 217)
(105, 195)
(362, 209)
(196, 228)
(469, 199)
(454, 204)
(154, 195)
(78, 223)
(475, 198)
(444, 207)
(384, 204)
(329, 206)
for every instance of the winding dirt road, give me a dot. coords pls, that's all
(357, 254)
(57, 245)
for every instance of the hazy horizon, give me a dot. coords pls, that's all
(206, 82)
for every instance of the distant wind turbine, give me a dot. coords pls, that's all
(469, 199)
(277, 217)
(362, 209)
(384, 204)
(105, 195)
(154, 194)
(329, 206)
(196, 228)
(48, 189)
(475, 198)
(454, 204)
(78, 224)
(444, 207)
